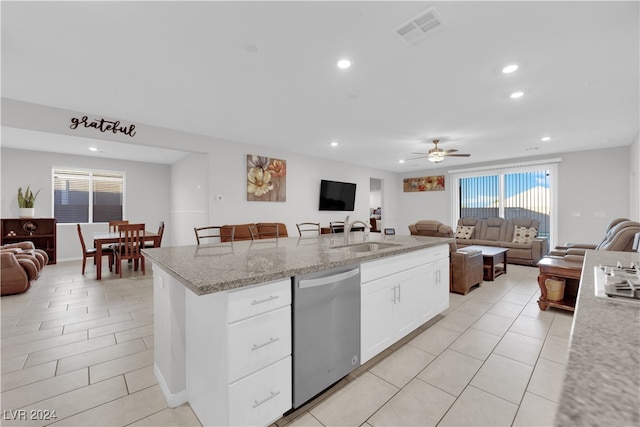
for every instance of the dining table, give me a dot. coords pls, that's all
(100, 239)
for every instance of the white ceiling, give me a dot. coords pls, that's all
(265, 73)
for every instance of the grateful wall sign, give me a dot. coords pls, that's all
(424, 183)
(103, 125)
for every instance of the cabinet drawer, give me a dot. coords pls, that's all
(384, 267)
(261, 398)
(258, 342)
(247, 302)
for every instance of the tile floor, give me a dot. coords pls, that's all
(84, 349)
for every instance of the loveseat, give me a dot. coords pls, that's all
(518, 235)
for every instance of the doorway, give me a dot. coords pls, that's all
(375, 204)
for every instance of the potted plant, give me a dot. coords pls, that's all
(25, 202)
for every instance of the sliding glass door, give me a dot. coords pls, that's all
(509, 191)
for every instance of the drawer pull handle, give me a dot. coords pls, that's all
(266, 399)
(271, 341)
(271, 298)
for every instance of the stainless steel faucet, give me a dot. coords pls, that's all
(348, 226)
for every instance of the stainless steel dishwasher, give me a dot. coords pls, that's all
(326, 329)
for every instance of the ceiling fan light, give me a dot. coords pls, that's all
(509, 68)
(435, 158)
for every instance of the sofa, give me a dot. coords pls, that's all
(518, 235)
(433, 228)
(620, 236)
(264, 228)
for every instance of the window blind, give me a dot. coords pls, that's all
(87, 196)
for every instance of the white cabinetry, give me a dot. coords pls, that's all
(399, 294)
(239, 354)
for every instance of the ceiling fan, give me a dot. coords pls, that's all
(436, 155)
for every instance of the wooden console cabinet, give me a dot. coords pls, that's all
(43, 234)
(554, 268)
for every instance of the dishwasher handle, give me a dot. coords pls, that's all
(327, 280)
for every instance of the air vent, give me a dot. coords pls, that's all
(419, 28)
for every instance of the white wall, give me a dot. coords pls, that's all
(147, 191)
(228, 168)
(594, 183)
(189, 192)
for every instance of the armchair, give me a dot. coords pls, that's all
(15, 274)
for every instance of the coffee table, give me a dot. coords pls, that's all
(494, 260)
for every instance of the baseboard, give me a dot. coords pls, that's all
(173, 400)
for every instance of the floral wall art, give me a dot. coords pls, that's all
(266, 179)
(424, 183)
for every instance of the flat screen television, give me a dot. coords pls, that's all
(337, 196)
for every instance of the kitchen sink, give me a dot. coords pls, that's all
(366, 247)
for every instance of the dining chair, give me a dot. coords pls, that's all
(113, 225)
(130, 243)
(219, 233)
(91, 252)
(308, 228)
(157, 241)
(265, 231)
(336, 226)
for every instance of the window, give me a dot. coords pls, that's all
(510, 191)
(87, 196)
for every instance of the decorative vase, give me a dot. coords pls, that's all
(27, 212)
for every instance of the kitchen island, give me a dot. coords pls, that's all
(223, 313)
(602, 380)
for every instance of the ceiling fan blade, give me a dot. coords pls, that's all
(416, 158)
(422, 154)
(451, 150)
(457, 155)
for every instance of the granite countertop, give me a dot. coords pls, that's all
(218, 267)
(602, 379)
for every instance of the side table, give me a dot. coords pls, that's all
(559, 268)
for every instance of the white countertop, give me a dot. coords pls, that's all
(602, 380)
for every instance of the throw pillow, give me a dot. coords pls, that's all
(524, 235)
(464, 232)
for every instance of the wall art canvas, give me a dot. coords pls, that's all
(424, 183)
(266, 179)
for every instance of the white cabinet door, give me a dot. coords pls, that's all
(376, 317)
(433, 294)
(440, 290)
(406, 287)
(389, 310)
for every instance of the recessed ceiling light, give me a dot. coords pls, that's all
(509, 69)
(515, 95)
(334, 143)
(545, 139)
(93, 149)
(401, 161)
(344, 63)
